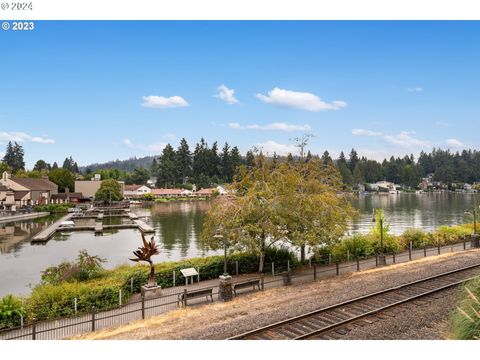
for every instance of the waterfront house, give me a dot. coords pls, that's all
(220, 190)
(386, 185)
(89, 188)
(136, 191)
(29, 191)
(167, 193)
(7, 197)
(68, 198)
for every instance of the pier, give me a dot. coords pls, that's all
(51, 230)
(99, 227)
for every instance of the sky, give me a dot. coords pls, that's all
(105, 90)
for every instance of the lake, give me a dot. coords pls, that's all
(178, 225)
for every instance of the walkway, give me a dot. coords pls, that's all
(166, 300)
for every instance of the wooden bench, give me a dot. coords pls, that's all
(183, 298)
(246, 284)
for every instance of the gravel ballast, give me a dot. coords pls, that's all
(247, 312)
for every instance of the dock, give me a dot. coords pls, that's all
(98, 228)
(48, 232)
(144, 227)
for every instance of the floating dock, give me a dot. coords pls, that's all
(52, 229)
(144, 227)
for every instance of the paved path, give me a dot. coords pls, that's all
(166, 300)
(21, 217)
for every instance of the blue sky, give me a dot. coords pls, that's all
(100, 91)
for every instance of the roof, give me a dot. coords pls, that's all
(133, 187)
(167, 191)
(36, 184)
(4, 188)
(19, 195)
(205, 192)
(71, 195)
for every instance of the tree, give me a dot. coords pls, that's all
(41, 165)
(326, 159)
(109, 191)
(14, 157)
(236, 160)
(139, 176)
(183, 162)
(70, 165)
(54, 166)
(226, 164)
(294, 203)
(301, 143)
(249, 159)
(166, 167)
(353, 160)
(63, 178)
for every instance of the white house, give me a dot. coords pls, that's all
(386, 185)
(136, 191)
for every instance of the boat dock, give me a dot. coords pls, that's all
(51, 230)
(144, 227)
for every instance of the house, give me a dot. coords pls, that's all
(211, 191)
(151, 182)
(90, 187)
(386, 185)
(136, 191)
(169, 193)
(67, 198)
(7, 197)
(29, 191)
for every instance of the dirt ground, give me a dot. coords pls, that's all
(249, 311)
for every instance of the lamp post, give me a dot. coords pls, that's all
(381, 257)
(225, 292)
(475, 237)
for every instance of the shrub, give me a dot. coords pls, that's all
(11, 311)
(445, 235)
(357, 245)
(54, 208)
(465, 320)
(148, 197)
(419, 238)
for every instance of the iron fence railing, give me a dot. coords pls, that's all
(148, 307)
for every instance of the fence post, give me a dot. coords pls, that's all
(185, 297)
(273, 269)
(76, 305)
(348, 255)
(143, 307)
(131, 285)
(438, 249)
(358, 263)
(198, 271)
(425, 251)
(329, 259)
(21, 321)
(464, 243)
(288, 265)
(120, 297)
(376, 260)
(314, 272)
(34, 329)
(310, 262)
(262, 282)
(174, 279)
(337, 268)
(410, 252)
(93, 319)
(394, 260)
(236, 267)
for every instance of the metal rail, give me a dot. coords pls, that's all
(323, 320)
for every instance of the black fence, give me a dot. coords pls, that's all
(145, 307)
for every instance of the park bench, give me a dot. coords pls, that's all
(184, 297)
(246, 284)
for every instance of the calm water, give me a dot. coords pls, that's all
(178, 226)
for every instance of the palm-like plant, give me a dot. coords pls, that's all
(145, 253)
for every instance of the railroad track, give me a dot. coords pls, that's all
(320, 322)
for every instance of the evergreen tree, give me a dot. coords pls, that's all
(274, 160)
(326, 159)
(183, 163)
(249, 159)
(166, 168)
(353, 160)
(226, 163)
(41, 165)
(290, 159)
(214, 168)
(54, 166)
(235, 159)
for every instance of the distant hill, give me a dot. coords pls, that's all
(126, 165)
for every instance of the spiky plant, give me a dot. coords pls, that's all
(465, 320)
(145, 253)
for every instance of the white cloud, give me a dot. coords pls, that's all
(271, 146)
(363, 132)
(149, 148)
(299, 100)
(162, 102)
(226, 95)
(455, 143)
(403, 139)
(277, 126)
(23, 137)
(415, 89)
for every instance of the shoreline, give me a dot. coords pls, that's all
(13, 218)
